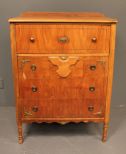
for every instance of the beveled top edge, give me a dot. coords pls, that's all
(92, 17)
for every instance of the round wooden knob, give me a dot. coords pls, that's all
(32, 39)
(35, 109)
(92, 89)
(90, 108)
(33, 67)
(94, 39)
(34, 89)
(92, 67)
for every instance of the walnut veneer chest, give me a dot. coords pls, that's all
(63, 67)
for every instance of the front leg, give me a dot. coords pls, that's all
(20, 132)
(105, 131)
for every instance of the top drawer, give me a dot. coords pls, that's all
(62, 38)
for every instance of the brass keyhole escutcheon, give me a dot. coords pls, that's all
(92, 89)
(33, 67)
(90, 108)
(34, 89)
(92, 67)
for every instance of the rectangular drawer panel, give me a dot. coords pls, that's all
(47, 38)
(73, 87)
(72, 108)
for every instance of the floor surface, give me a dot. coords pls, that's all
(63, 139)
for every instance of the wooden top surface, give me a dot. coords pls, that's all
(88, 17)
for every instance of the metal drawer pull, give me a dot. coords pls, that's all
(27, 113)
(33, 67)
(92, 89)
(34, 89)
(35, 109)
(94, 39)
(92, 67)
(63, 57)
(32, 39)
(90, 108)
(63, 39)
(25, 61)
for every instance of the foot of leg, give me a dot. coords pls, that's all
(20, 136)
(105, 131)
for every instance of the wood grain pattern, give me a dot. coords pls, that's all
(63, 67)
(46, 38)
(63, 97)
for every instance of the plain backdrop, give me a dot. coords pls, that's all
(112, 8)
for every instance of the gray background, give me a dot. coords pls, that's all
(112, 8)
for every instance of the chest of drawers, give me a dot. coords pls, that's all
(63, 67)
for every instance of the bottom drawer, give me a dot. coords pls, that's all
(71, 108)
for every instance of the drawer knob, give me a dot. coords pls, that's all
(34, 89)
(92, 89)
(94, 39)
(92, 67)
(90, 108)
(35, 109)
(32, 39)
(63, 39)
(33, 67)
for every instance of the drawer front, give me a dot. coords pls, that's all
(61, 86)
(76, 108)
(46, 38)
